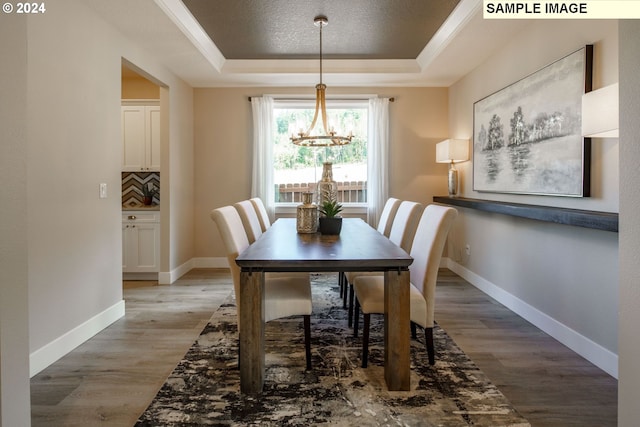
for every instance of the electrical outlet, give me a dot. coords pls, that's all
(103, 190)
(467, 249)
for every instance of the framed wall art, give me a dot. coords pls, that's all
(527, 136)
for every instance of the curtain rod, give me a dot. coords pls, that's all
(336, 99)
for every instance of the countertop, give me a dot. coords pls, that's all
(141, 208)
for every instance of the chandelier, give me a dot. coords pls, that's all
(329, 138)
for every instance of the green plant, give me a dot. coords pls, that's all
(149, 190)
(330, 208)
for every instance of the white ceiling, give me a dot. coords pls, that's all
(171, 34)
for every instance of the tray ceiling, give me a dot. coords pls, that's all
(231, 43)
(283, 29)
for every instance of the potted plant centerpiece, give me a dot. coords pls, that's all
(330, 222)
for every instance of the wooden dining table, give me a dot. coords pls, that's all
(359, 247)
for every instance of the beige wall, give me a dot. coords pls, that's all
(139, 88)
(177, 170)
(223, 139)
(563, 278)
(14, 316)
(629, 410)
(74, 146)
(66, 242)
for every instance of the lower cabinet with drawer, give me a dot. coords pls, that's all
(140, 242)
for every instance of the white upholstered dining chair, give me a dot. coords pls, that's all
(250, 219)
(404, 224)
(388, 214)
(263, 216)
(402, 230)
(284, 296)
(252, 226)
(384, 227)
(430, 238)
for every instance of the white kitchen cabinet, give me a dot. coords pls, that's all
(141, 138)
(140, 242)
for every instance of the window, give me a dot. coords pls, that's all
(297, 169)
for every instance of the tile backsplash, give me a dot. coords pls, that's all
(132, 183)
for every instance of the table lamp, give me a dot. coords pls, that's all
(600, 112)
(451, 151)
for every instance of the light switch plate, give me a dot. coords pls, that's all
(103, 190)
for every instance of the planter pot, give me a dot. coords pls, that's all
(147, 200)
(331, 226)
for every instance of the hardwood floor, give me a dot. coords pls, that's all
(546, 382)
(110, 379)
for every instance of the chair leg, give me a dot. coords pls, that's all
(365, 339)
(356, 318)
(307, 339)
(413, 331)
(341, 283)
(428, 338)
(350, 314)
(344, 297)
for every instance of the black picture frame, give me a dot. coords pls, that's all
(527, 137)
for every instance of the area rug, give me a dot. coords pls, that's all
(204, 389)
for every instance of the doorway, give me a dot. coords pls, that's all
(141, 177)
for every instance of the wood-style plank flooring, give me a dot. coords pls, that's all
(546, 382)
(110, 379)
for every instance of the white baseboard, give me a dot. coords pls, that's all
(48, 354)
(167, 278)
(592, 351)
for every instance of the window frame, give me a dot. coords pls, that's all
(283, 209)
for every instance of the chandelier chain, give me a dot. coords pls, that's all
(329, 138)
(321, 25)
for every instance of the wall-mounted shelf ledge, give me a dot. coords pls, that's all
(606, 221)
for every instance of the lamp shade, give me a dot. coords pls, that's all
(452, 150)
(600, 112)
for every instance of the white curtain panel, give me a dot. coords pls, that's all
(377, 158)
(262, 176)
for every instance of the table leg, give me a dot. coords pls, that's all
(251, 326)
(397, 369)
